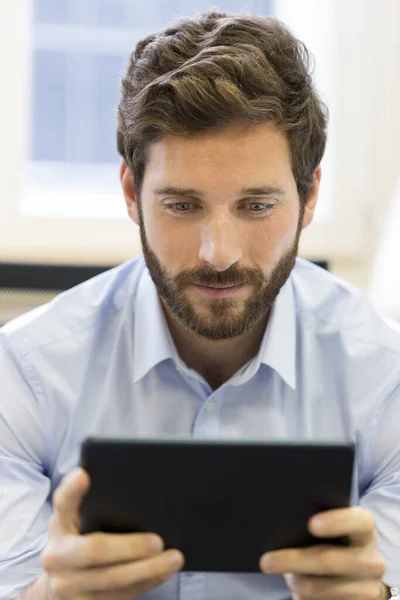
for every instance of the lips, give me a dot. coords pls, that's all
(218, 290)
(219, 286)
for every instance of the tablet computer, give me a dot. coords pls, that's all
(222, 502)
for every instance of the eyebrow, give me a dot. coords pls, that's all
(251, 191)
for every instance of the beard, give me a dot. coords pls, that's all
(220, 319)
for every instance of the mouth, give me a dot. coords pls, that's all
(219, 290)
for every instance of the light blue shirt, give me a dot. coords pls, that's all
(99, 359)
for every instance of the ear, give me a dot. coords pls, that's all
(128, 188)
(309, 209)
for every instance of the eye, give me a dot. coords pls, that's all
(179, 207)
(259, 207)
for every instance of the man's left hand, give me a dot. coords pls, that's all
(327, 572)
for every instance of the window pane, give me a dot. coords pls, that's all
(103, 13)
(110, 14)
(50, 11)
(49, 108)
(154, 14)
(150, 14)
(181, 7)
(81, 108)
(108, 71)
(80, 50)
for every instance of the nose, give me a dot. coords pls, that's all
(219, 244)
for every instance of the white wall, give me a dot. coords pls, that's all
(365, 123)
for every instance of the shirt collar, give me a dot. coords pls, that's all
(278, 347)
(153, 342)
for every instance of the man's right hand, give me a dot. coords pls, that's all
(108, 566)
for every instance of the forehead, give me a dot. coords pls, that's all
(236, 150)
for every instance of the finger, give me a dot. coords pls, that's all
(118, 577)
(135, 591)
(67, 500)
(326, 561)
(97, 549)
(332, 588)
(355, 522)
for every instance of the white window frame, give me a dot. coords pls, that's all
(91, 241)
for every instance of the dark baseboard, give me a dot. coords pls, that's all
(58, 277)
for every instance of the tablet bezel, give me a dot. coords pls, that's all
(197, 500)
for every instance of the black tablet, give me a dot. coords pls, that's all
(223, 503)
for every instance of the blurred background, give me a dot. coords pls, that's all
(60, 201)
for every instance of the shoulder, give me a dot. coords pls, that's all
(327, 303)
(343, 337)
(76, 311)
(345, 344)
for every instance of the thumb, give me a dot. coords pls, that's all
(289, 578)
(67, 500)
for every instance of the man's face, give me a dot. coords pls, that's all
(220, 220)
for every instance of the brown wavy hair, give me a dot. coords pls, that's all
(214, 70)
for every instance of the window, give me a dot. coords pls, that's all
(61, 63)
(79, 51)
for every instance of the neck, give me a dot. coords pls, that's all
(217, 360)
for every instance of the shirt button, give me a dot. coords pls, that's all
(210, 406)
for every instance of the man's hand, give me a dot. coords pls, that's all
(117, 567)
(329, 572)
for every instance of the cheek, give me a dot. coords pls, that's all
(274, 239)
(173, 244)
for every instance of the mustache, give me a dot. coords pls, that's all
(231, 276)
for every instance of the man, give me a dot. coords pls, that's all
(217, 329)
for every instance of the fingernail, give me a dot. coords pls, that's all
(156, 543)
(318, 525)
(176, 559)
(266, 562)
(71, 478)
